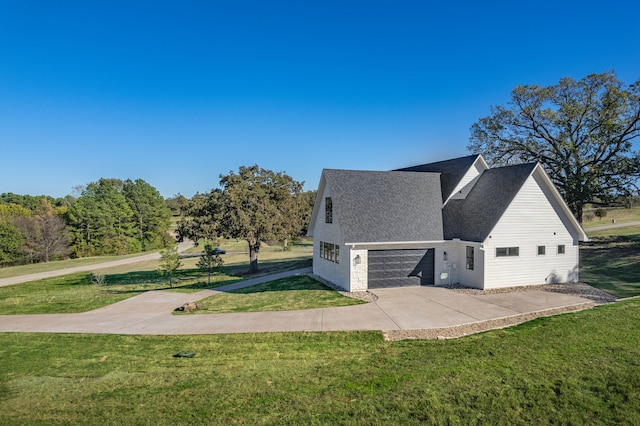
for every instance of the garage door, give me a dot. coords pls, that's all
(399, 268)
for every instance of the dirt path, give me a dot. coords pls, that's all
(87, 268)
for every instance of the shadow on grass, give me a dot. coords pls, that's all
(269, 267)
(143, 281)
(611, 264)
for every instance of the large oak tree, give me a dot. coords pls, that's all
(254, 205)
(580, 131)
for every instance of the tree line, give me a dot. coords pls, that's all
(109, 216)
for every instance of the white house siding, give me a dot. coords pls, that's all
(469, 277)
(336, 273)
(530, 221)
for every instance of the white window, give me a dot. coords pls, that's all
(561, 249)
(542, 250)
(507, 251)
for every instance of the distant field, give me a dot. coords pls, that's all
(14, 271)
(619, 215)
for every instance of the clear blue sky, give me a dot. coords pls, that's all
(177, 92)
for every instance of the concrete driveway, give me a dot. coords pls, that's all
(409, 308)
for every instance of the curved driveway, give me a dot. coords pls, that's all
(408, 308)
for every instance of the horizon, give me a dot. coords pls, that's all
(177, 95)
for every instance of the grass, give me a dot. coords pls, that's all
(610, 261)
(620, 216)
(287, 294)
(14, 271)
(75, 293)
(580, 368)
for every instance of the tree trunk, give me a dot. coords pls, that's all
(254, 248)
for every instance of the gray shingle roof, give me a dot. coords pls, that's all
(451, 171)
(473, 218)
(374, 206)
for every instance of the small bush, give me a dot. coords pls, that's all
(600, 213)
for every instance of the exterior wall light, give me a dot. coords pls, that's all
(357, 260)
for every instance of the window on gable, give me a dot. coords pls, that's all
(507, 251)
(542, 250)
(561, 249)
(470, 253)
(328, 213)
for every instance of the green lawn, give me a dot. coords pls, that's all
(286, 294)
(611, 261)
(581, 368)
(14, 271)
(75, 293)
(620, 216)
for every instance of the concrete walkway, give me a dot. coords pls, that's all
(409, 308)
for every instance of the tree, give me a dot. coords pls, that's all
(201, 217)
(150, 213)
(169, 263)
(209, 261)
(11, 240)
(255, 206)
(101, 220)
(580, 131)
(45, 237)
(178, 204)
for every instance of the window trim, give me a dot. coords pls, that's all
(507, 251)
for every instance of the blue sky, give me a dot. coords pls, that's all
(177, 93)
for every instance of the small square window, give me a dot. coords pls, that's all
(542, 250)
(561, 249)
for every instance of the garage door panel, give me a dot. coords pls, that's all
(400, 268)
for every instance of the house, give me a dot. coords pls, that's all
(454, 221)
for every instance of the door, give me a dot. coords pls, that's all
(400, 268)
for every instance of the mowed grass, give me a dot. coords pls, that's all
(611, 261)
(619, 215)
(287, 294)
(76, 293)
(14, 271)
(581, 368)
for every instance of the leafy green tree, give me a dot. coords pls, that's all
(102, 221)
(178, 204)
(169, 263)
(150, 213)
(255, 206)
(31, 202)
(210, 261)
(11, 241)
(14, 210)
(201, 216)
(580, 131)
